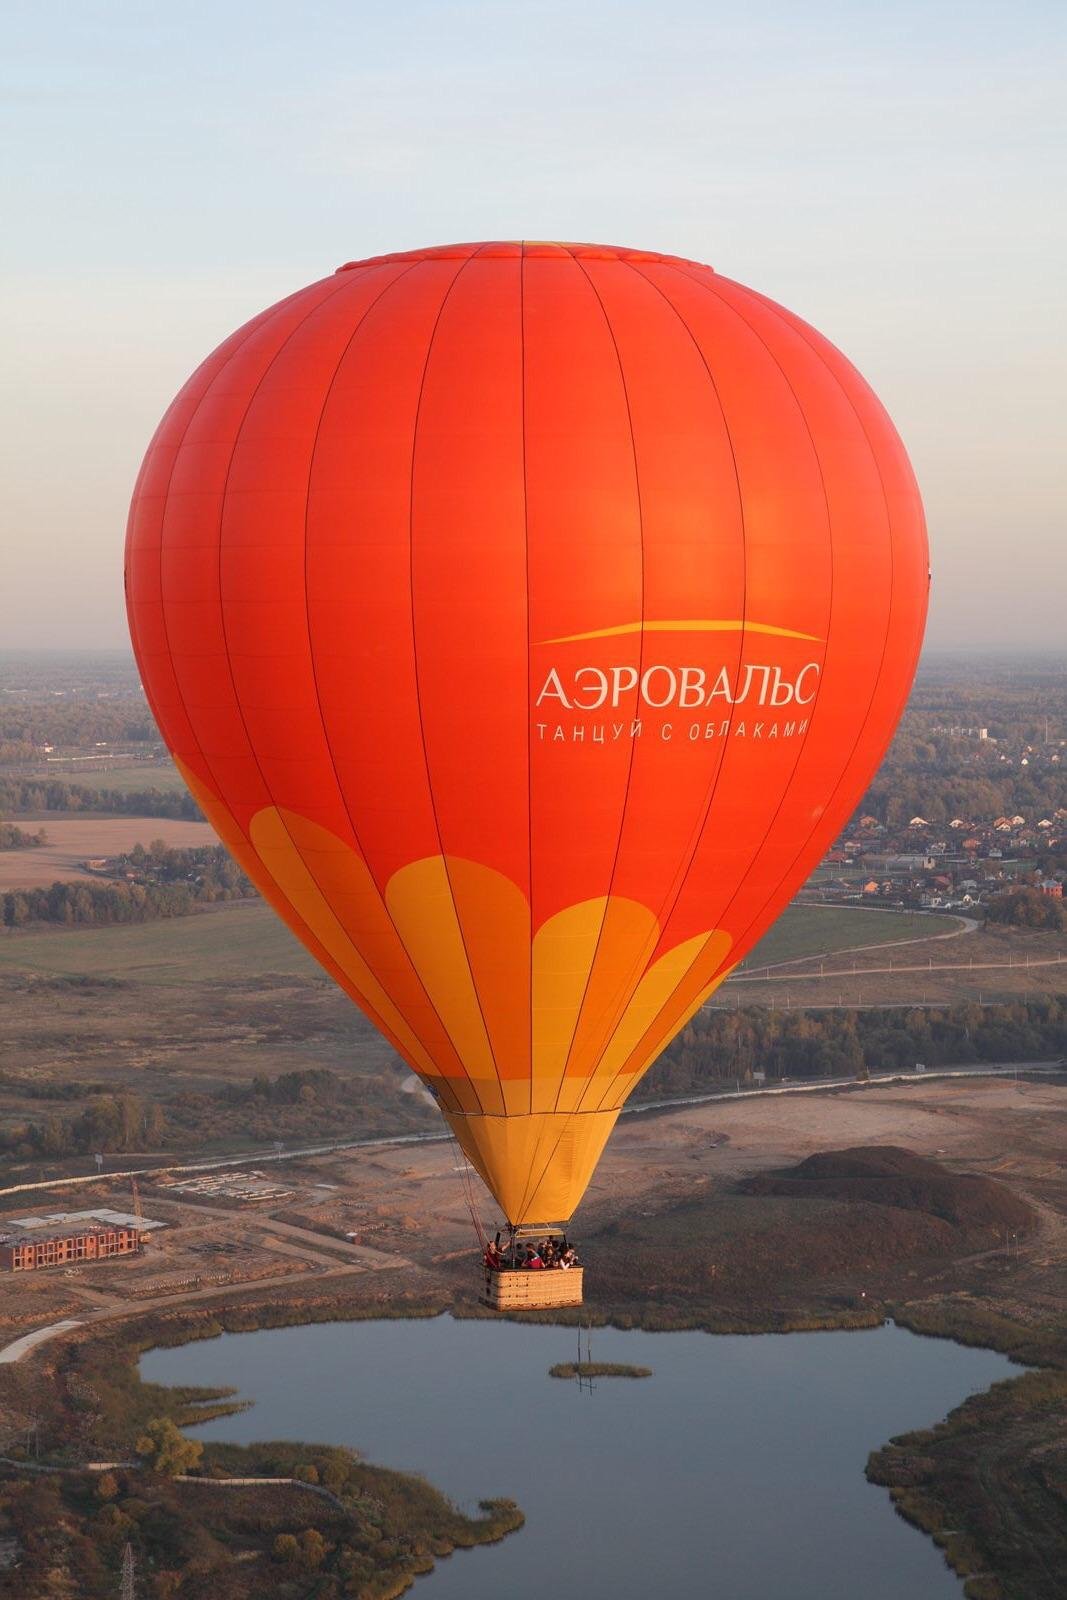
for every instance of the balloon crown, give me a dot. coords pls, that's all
(509, 249)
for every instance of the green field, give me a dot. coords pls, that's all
(817, 930)
(248, 941)
(233, 942)
(125, 777)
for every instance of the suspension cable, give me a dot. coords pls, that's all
(462, 1167)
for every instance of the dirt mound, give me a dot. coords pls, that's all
(885, 1175)
(875, 1218)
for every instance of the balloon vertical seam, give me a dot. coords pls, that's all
(253, 329)
(698, 832)
(226, 644)
(774, 309)
(529, 660)
(391, 284)
(531, 1188)
(733, 310)
(418, 695)
(799, 330)
(222, 608)
(610, 1087)
(721, 915)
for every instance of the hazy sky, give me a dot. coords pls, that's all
(894, 173)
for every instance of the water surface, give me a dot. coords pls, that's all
(735, 1472)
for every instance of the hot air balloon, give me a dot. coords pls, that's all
(528, 619)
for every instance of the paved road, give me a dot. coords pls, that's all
(774, 974)
(29, 1341)
(966, 925)
(999, 1069)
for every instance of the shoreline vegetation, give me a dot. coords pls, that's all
(364, 1532)
(597, 1369)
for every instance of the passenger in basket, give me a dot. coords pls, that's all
(494, 1261)
(533, 1262)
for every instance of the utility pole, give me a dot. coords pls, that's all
(128, 1590)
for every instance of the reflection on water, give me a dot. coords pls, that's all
(734, 1472)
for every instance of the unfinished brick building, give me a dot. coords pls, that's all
(33, 1248)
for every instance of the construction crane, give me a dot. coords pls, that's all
(138, 1211)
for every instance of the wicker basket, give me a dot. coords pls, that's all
(520, 1290)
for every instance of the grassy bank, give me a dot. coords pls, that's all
(315, 1520)
(989, 1483)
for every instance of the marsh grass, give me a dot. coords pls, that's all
(597, 1369)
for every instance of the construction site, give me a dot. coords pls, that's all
(201, 1235)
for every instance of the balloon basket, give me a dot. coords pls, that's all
(520, 1290)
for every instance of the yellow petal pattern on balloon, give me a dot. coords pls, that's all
(529, 1045)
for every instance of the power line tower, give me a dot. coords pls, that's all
(128, 1590)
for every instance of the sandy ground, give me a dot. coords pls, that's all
(71, 841)
(969, 1124)
(1016, 1131)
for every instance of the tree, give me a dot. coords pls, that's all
(1027, 908)
(334, 1476)
(286, 1548)
(167, 1449)
(313, 1549)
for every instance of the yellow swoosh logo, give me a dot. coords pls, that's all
(695, 626)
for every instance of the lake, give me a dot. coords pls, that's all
(735, 1472)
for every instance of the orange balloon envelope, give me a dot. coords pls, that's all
(527, 619)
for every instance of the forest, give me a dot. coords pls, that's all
(165, 883)
(1027, 908)
(308, 1103)
(728, 1046)
(30, 796)
(109, 1122)
(64, 717)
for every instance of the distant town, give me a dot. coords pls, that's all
(938, 868)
